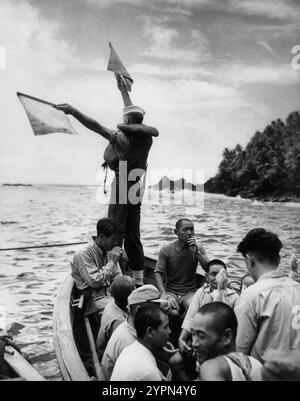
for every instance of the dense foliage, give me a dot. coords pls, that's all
(267, 168)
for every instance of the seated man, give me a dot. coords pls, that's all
(125, 334)
(137, 361)
(96, 267)
(177, 264)
(214, 332)
(115, 312)
(215, 289)
(267, 312)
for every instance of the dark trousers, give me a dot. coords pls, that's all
(129, 217)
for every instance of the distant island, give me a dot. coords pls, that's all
(17, 185)
(175, 185)
(267, 169)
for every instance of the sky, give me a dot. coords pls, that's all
(209, 73)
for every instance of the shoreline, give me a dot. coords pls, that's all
(267, 198)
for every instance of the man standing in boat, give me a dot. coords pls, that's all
(126, 155)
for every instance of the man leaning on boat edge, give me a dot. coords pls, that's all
(95, 267)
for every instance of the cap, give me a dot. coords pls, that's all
(145, 293)
(133, 109)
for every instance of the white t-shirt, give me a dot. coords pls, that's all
(136, 363)
(123, 336)
(111, 318)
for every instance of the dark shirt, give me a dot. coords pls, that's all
(179, 267)
(131, 143)
(134, 149)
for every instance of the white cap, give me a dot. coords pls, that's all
(145, 293)
(133, 109)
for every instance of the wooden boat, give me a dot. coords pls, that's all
(17, 368)
(70, 331)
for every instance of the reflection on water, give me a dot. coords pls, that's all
(56, 214)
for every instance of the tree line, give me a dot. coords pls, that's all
(268, 168)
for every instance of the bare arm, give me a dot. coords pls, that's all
(160, 284)
(125, 95)
(195, 305)
(293, 273)
(88, 122)
(215, 370)
(202, 256)
(160, 271)
(199, 252)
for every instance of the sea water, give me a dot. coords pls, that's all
(42, 214)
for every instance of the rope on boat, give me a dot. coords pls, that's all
(42, 246)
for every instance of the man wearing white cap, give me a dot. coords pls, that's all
(137, 362)
(125, 333)
(126, 155)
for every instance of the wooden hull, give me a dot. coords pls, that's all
(69, 361)
(67, 339)
(19, 369)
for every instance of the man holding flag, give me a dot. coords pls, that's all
(126, 154)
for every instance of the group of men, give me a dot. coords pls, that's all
(224, 335)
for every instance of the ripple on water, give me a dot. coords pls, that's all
(29, 284)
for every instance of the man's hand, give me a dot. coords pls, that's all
(196, 246)
(65, 107)
(294, 264)
(115, 254)
(192, 244)
(120, 82)
(222, 280)
(171, 302)
(184, 347)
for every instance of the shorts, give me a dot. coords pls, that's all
(181, 301)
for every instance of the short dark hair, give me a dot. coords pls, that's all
(180, 221)
(148, 315)
(121, 288)
(136, 118)
(215, 262)
(264, 244)
(225, 317)
(108, 226)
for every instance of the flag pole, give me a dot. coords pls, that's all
(35, 98)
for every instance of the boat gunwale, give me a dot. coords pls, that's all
(68, 357)
(20, 366)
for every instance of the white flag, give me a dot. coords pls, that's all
(115, 65)
(44, 118)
